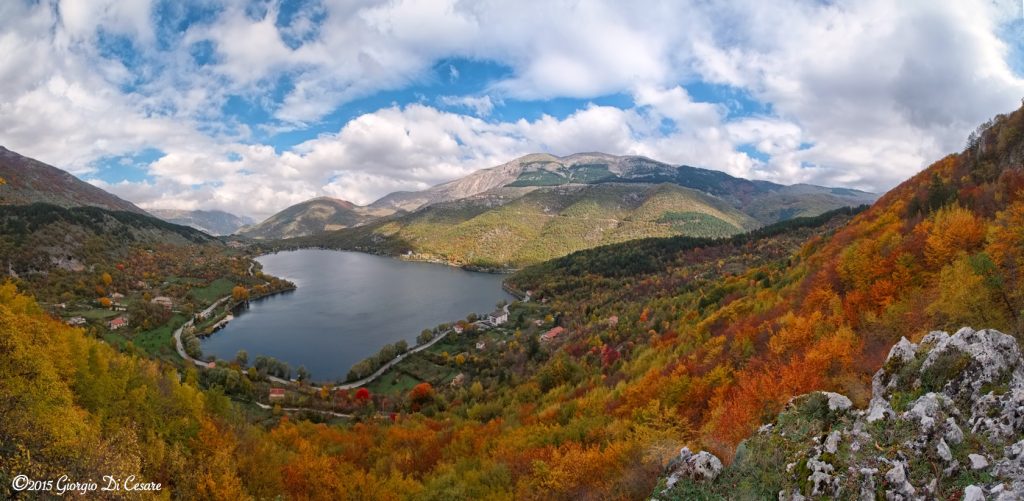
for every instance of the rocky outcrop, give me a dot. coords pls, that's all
(945, 421)
(699, 467)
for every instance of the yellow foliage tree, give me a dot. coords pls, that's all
(954, 230)
(239, 293)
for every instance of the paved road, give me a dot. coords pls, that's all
(384, 368)
(347, 386)
(177, 334)
(305, 409)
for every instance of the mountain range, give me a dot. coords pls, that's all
(214, 222)
(541, 206)
(527, 210)
(616, 358)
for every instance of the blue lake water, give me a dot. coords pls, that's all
(347, 306)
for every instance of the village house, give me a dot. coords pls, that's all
(458, 380)
(498, 317)
(117, 323)
(457, 329)
(552, 334)
(76, 321)
(276, 394)
(164, 301)
(481, 345)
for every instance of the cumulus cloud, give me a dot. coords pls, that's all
(854, 93)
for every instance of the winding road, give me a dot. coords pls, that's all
(384, 368)
(177, 334)
(346, 386)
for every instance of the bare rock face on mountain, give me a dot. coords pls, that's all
(30, 181)
(946, 421)
(474, 184)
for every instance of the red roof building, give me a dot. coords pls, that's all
(117, 323)
(552, 334)
(276, 393)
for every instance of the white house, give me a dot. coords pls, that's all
(498, 317)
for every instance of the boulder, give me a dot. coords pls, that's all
(973, 493)
(978, 462)
(700, 467)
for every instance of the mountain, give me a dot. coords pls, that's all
(616, 358)
(312, 216)
(500, 231)
(540, 206)
(766, 201)
(31, 181)
(38, 239)
(214, 222)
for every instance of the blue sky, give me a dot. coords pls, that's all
(253, 106)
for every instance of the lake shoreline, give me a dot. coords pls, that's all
(348, 305)
(399, 257)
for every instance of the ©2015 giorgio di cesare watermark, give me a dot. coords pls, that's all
(65, 485)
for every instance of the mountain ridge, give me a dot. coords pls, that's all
(214, 222)
(541, 206)
(29, 181)
(315, 215)
(622, 168)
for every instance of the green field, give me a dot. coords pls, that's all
(159, 342)
(393, 383)
(216, 290)
(93, 314)
(156, 343)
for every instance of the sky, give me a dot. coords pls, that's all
(250, 107)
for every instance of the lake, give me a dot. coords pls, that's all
(347, 306)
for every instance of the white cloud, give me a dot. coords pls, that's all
(480, 105)
(858, 93)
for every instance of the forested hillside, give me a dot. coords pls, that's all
(530, 422)
(942, 250)
(28, 181)
(662, 343)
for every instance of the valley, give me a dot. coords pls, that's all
(611, 359)
(447, 250)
